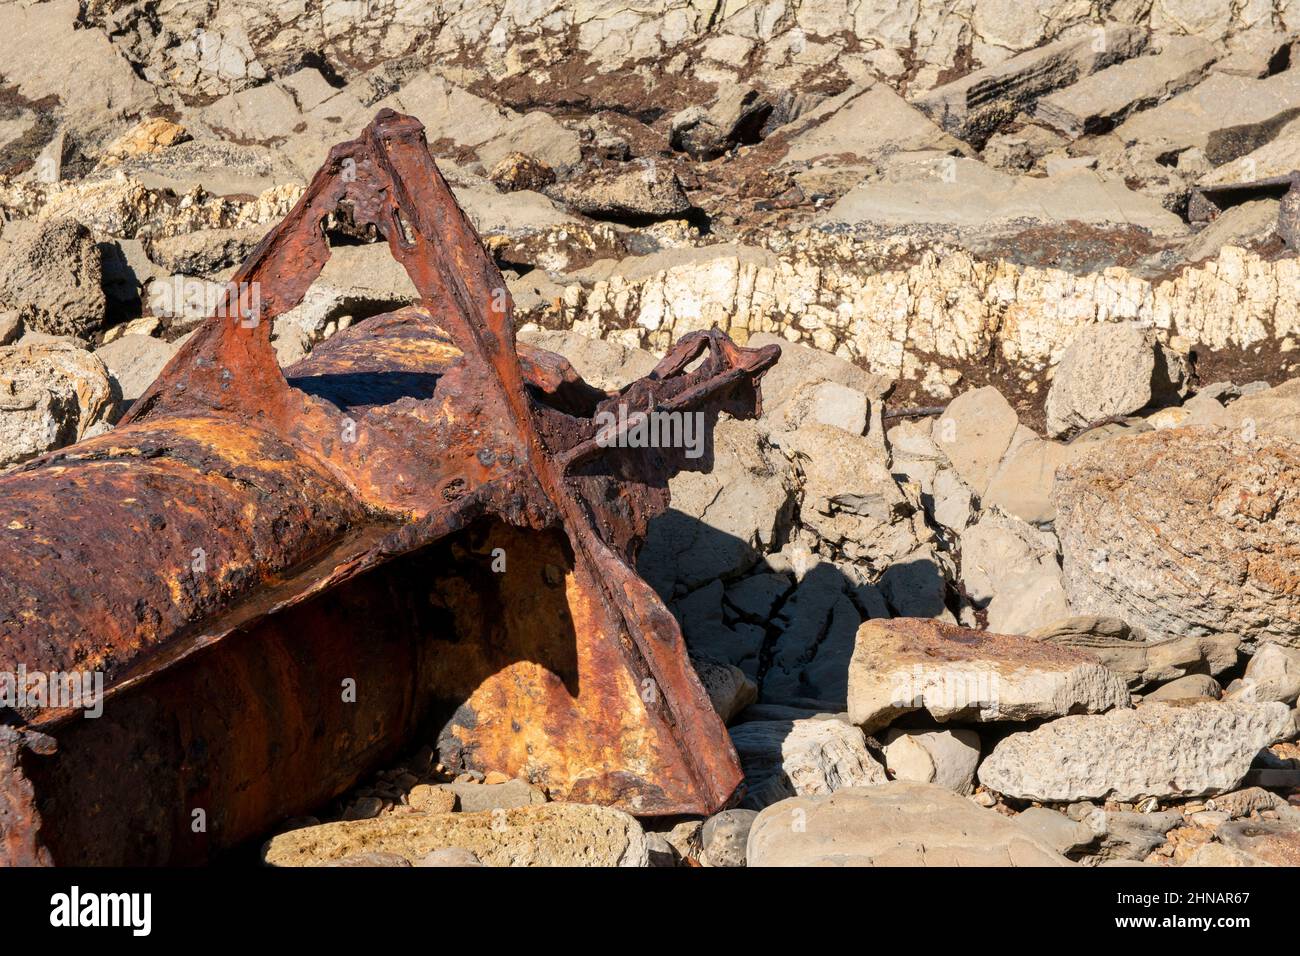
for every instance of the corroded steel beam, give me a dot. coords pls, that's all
(285, 577)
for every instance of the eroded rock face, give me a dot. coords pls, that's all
(788, 758)
(53, 276)
(553, 834)
(896, 824)
(1160, 750)
(1109, 371)
(955, 673)
(1185, 532)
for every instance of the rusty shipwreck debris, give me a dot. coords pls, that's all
(284, 576)
(1208, 202)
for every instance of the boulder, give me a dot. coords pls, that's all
(1010, 569)
(1191, 687)
(553, 834)
(724, 837)
(1109, 370)
(1185, 532)
(52, 393)
(1022, 485)
(953, 673)
(944, 757)
(1273, 673)
(1136, 661)
(783, 758)
(1162, 750)
(850, 497)
(52, 274)
(729, 690)
(975, 431)
(638, 192)
(897, 824)
(516, 171)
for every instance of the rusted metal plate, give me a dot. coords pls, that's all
(250, 540)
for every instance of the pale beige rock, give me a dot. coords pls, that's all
(944, 757)
(953, 673)
(784, 758)
(1184, 532)
(897, 824)
(974, 432)
(1160, 750)
(52, 393)
(554, 834)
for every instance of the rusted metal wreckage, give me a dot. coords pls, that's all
(285, 576)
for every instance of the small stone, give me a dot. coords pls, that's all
(517, 171)
(724, 837)
(431, 799)
(944, 757)
(364, 808)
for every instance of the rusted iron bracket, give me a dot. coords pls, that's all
(283, 576)
(1208, 202)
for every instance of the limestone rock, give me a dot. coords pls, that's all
(1184, 532)
(1273, 673)
(52, 394)
(479, 797)
(1098, 102)
(1111, 370)
(975, 106)
(953, 673)
(1191, 687)
(53, 276)
(724, 836)
(1163, 750)
(637, 193)
(1134, 660)
(975, 431)
(554, 834)
(782, 758)
(729, 690)
(944, 757)
(134, 361)
(1056, 829)
(897, 824)
(1010, 569)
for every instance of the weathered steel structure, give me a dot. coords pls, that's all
(286, 577)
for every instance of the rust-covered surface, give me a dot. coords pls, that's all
(252, 541)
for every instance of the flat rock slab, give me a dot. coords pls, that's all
(1161, 750)
(954, 673)
(895, 824)
(553, 834)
